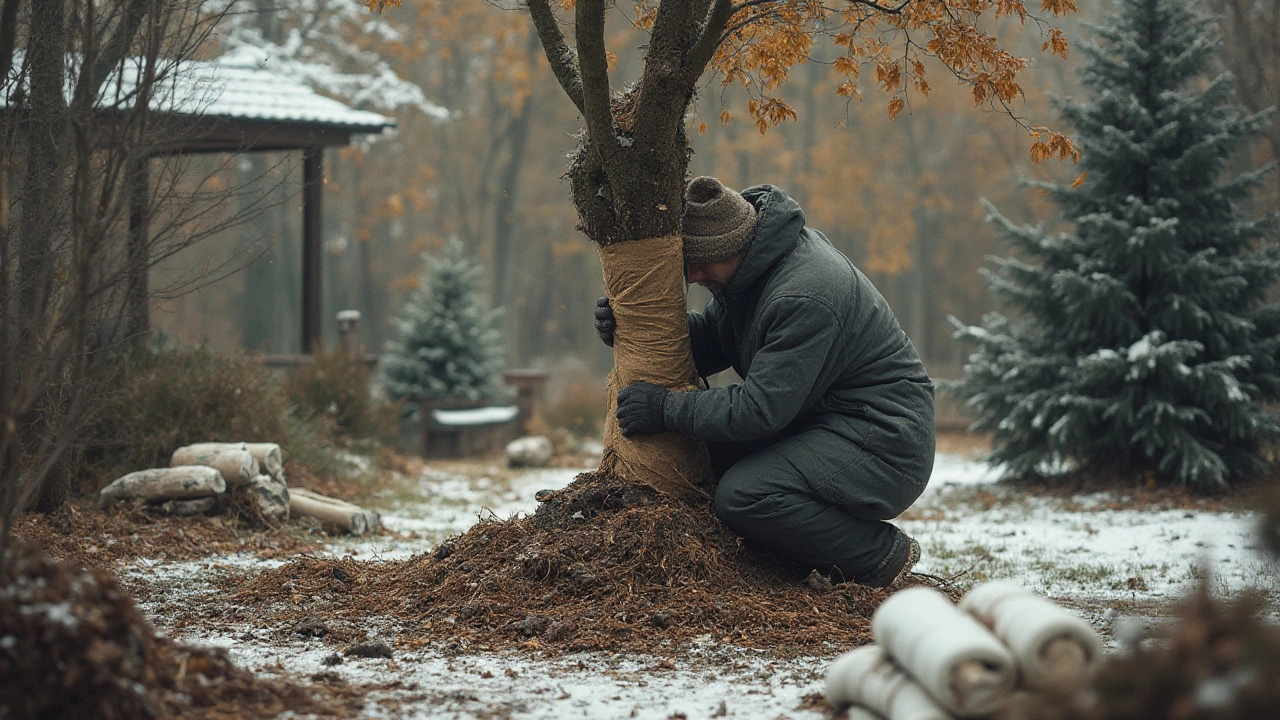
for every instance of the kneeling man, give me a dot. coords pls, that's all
(831, 432)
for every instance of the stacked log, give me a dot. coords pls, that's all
(242, 465)
(202, 474)
(159, 485)
(237, 465)
(334, 513)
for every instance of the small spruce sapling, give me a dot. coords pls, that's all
(447, 344)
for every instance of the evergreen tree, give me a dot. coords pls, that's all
(1144, 342)
(446, 344)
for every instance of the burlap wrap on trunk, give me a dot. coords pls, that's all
(645, 283)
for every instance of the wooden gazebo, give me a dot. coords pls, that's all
(228, 107)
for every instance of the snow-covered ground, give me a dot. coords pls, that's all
(1095, 553)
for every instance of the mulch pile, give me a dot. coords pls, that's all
(601, 565)
(73, 645)
(79, 531)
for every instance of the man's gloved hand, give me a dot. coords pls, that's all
(605, 323)
(640, 409)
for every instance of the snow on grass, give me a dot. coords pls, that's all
(1079, 548)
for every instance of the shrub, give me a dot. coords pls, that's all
(157, 402)
(336, 386)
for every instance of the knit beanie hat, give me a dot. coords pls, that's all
(717, 224)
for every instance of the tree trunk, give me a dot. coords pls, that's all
(627, 180)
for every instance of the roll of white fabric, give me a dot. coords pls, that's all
(869, 681)
(957, 660)
(1055, 649)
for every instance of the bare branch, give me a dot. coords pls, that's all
(589, 23)
(713, 33)
(559, 54)
(745, 22)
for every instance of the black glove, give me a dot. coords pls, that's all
(605, 324)
(640, 409)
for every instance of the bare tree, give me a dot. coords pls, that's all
(91, 198)
(1251, 50)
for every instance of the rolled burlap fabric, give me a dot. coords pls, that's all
(870, 682)
(954, 657)
(1056, 650)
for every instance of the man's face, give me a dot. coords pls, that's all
(712, 275)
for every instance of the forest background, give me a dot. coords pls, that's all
(481, 160)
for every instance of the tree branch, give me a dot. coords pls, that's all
(712, 35)
(117, 46)
(559, 54)
(589, 27)
(662, 90)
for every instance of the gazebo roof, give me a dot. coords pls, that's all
(236, 106)
(231, 104)
(242, 92)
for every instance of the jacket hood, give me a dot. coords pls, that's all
(779, 221)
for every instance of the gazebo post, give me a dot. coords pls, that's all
(312, 193)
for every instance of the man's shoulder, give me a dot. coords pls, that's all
(815, 268)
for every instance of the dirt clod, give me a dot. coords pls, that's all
(532, 626)
(375, 649)
(311, 627)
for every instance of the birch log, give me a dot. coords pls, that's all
(331, 511)
(160, 484)
(870, 681)
(957, 660)
(1056, 650)
(237, 465)
(270, 459)
(271, 496)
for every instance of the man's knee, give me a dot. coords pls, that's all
(733, 500)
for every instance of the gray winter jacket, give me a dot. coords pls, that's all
(816, 345)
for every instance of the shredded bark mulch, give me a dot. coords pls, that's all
(81, 532)
(73, 644)
(601, 565)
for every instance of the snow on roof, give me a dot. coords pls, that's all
(231, 89)
(237, 91)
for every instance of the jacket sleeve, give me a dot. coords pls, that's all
(704, 341)
(801, 340)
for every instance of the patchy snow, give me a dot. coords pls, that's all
(1093, 552)
(708, 680)
(1079, 547)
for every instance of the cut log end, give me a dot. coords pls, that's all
(1064, 666)
(977, 684)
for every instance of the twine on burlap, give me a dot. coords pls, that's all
(644, 280)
